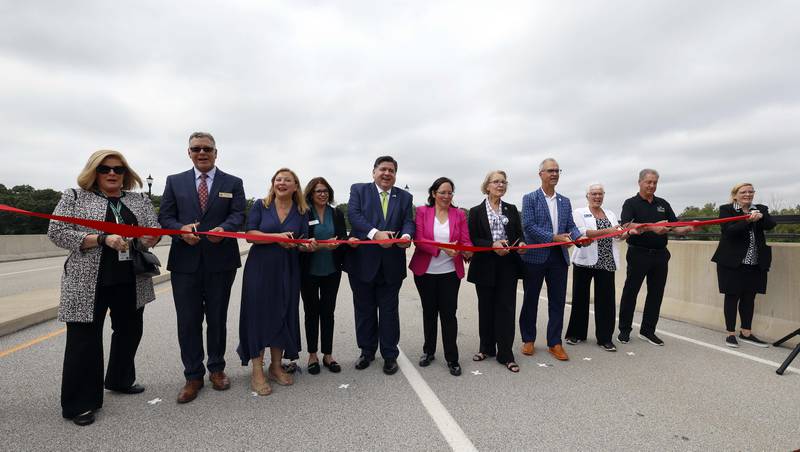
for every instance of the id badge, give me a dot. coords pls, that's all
(124, 255)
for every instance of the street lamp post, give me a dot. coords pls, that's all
(149, 186)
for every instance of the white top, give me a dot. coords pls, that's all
(584, 220)
(442, 263)
(552, 206)
(209, 179)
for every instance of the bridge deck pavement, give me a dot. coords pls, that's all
(684, 396)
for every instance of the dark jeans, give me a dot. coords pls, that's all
(439, 296)
(746, 303)
(604, 304)
(319, 303)
(82, 380)
(197, 295)
(377, 318)
(643, 263)
(554, 270)
(497, 308)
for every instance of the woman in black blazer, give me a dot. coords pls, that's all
(321, 272)
(743, 259)
(497, 224)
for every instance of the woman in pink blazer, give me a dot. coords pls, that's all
(438, 271)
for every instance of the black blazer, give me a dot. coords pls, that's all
(340, 231)
(485, 265)
(735, 238)
(226, 206)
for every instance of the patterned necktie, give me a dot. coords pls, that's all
(202, 192)
(384, 203)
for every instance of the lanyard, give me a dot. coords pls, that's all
(116, 209)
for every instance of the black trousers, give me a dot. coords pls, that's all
(197, 295)
(319, 303)
(439, 296)
(746, 304)
(643, 263)
(497, 307)
(604, 303)
(82, 378)
(375, 306)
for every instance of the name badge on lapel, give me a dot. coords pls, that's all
(222, 194)
(587, 215)
(313, 222)
(660, 209)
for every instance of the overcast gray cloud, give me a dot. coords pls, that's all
(706, 92)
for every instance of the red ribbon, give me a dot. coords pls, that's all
(139, 231)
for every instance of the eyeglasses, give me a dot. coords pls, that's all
(105, 169)
(499, 182)
(198, 149)
(444, 193)
(553, 171)
(321, 192)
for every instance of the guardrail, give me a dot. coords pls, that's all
(713, 233)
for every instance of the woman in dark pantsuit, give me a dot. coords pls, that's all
(494, 223)
(320, 273)
(743, 259)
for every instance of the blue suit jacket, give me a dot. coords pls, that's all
(364, 212)
(180, 205)
(538, 227)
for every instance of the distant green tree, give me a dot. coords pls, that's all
(27, 198)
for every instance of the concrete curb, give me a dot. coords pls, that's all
(48, 309)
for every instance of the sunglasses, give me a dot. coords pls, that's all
(105, 169)
(198, 149)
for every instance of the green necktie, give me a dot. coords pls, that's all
(384, 203)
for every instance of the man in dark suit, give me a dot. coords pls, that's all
(546, 217)
(203, 268)
(378, 211)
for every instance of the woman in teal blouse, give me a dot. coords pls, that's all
(321, 273)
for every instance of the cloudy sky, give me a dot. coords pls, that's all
(708, 93)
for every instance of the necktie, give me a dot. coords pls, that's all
(202, 192)
(384, 203)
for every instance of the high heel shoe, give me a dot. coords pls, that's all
(283, 380)
(261, 388)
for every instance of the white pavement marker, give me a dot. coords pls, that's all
(451, 431)
(154, 401)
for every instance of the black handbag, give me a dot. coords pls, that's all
(145, 263)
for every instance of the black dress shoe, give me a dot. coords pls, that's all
(390, 366)
(363, 362)
(314, 368)
(333, 366)
(425, 360)
(84, 419)
(133, 389)
(455, 368)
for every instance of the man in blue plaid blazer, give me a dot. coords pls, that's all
(551, 264)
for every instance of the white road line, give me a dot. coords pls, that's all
(451, 431)
(703, 344)
(29, 271)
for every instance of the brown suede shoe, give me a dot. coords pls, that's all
(558, 353)
(189, 391)
(528, 348)
(219, 381)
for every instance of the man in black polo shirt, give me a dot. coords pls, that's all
(647, 257)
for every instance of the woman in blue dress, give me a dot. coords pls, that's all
(271, 286)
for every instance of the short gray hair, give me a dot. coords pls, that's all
(643, 173)
(203, 135)
(593, 185)
(548, 159)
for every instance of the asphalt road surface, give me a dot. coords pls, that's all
(692, 394)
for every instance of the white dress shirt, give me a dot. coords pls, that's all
(552, 206)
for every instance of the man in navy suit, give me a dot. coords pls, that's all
(546, 217)
(378, 211)
(203, 268)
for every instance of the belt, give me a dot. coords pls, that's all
(644, 249)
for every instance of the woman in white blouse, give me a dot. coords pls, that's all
(597, 261)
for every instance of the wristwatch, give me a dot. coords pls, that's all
(101, 239)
